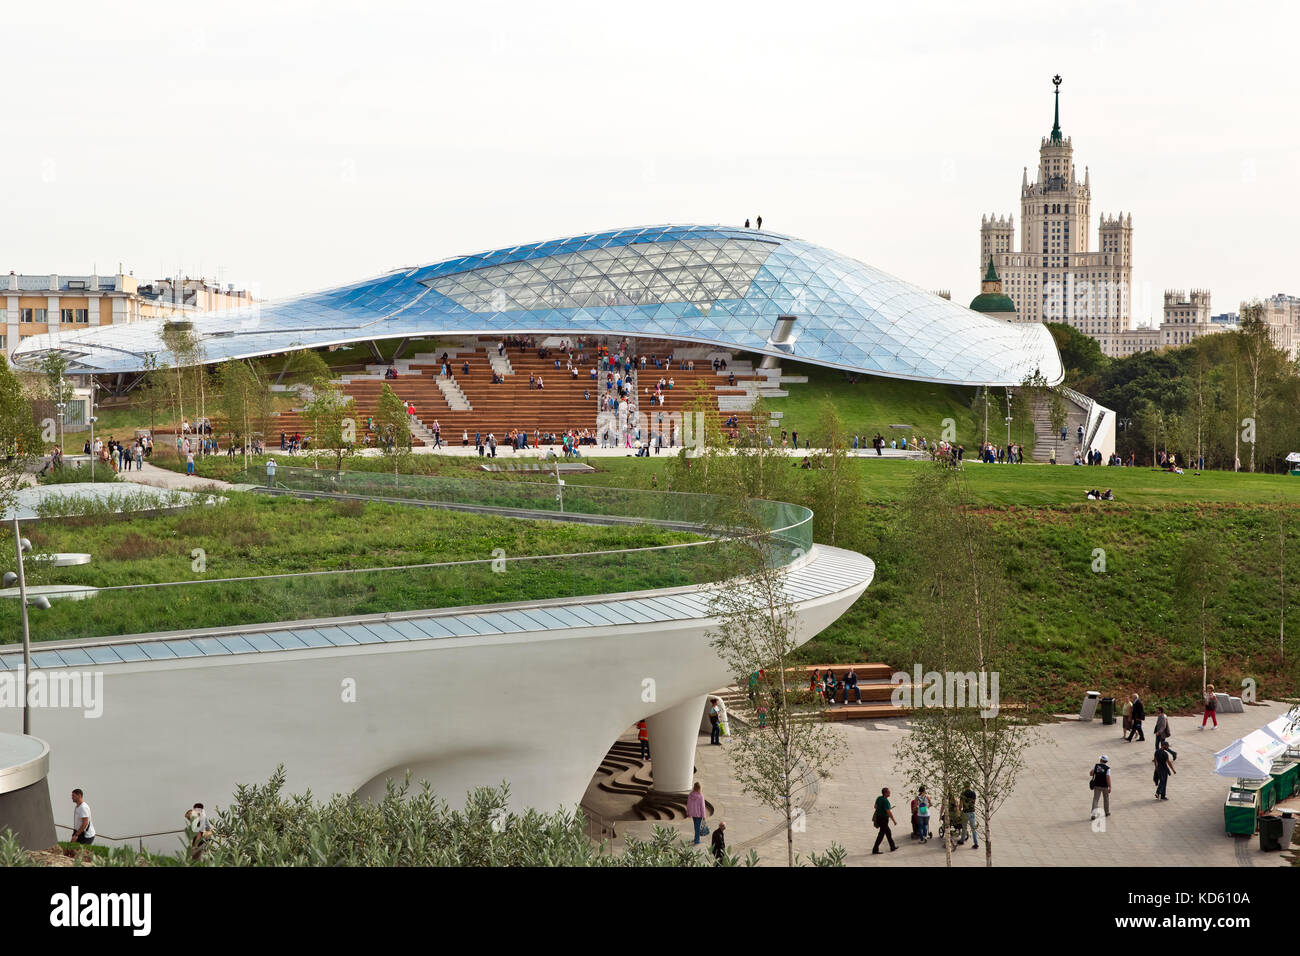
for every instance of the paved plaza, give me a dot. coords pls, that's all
(1046, 820)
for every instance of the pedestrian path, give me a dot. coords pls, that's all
(1045, 822)
(149, 474)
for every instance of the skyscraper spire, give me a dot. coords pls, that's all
(1056, 121)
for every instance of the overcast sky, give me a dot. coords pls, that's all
(295, 146)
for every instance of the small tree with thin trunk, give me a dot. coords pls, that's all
(836, 492)
(20, 436)
(995, 742)
(1058, 413)
(1258, 353)
(152, 390)
(934, 752)
(392, 427)
(245, 401)
(183, 344)
(58, 389)
(1199, 576)
(757, 630)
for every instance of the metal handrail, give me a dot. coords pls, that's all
(138, 836)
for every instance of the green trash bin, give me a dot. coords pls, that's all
(1108, 710)
(1270, 833)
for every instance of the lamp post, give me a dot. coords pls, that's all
(1008, 420)
(92, 429)
(22, 546)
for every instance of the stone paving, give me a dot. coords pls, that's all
(149, 474)
(1045, 822)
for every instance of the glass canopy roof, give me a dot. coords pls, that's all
(710, 285)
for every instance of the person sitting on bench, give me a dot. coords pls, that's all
(851, 687)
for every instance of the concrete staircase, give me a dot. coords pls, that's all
(500, 363)
(623, 773)
(1046, 438)
(453, 393)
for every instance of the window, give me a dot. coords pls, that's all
(4, 342)
(32, 315)
(75, 315)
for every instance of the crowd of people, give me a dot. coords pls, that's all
(115, 454)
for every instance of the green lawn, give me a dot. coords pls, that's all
(1075, 628)
(886, 480)
(253, 534)
(872, 404)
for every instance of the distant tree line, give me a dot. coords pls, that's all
(1231, 398)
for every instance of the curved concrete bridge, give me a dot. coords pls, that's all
(531, 693)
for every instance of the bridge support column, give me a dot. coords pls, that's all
(673, 735)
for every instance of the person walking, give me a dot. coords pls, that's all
(1138, 714)
(715, 730)
(1162, 731)
(1164, 762)
(720, 842)
(1099, 781)
(643, 737)
(968, 801)
(881, 819)
(1211, 707)
(199, 827)
(83, 830)
(695, 809)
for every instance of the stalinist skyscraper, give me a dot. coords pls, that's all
(1055, 276)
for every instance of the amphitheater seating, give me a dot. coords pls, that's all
(565, 403)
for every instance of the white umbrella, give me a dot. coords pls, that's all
(1250, 757)
(1294, 456)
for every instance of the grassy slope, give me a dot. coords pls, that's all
(873, 404)
(1078, 630)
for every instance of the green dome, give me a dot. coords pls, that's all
(992, 302)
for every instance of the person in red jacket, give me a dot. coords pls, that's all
(643, 736)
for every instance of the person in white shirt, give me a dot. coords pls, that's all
(83, 831)
(200, 828)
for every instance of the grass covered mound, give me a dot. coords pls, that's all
(253, 535)
(870, 404)
(1077, 628)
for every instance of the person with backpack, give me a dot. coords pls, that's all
(1163, 731)
(715, 729)
(923, 814)
(1211, 707)
(1099, 781)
